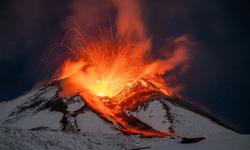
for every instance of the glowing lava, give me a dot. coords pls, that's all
(101, 88)
(112, 68)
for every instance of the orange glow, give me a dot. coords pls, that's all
(101, 94)
(102, 88)
(112, 68)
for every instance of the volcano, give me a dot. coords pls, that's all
(110, 83)
(153, 115)
(111, 90)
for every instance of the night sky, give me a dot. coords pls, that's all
(218, 77)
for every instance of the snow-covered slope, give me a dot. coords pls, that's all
(21, 139)
(167, 116)
(44, 109)
(29, 111)
(220, 141)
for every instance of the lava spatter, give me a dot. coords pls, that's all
(112, 69)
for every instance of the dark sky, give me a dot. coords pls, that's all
(218, 77)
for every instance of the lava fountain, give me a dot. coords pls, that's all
(112, 69)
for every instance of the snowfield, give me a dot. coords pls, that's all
(21, 139)
(184, 122)
(222, 141)
(90, 122)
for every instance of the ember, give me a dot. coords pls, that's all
(112, 70)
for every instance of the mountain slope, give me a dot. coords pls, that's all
(167, 116)
(44, 109)
(220, 141)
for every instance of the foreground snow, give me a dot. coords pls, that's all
(21, 139)
(222, 141)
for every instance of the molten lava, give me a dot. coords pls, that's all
(106, 64)
(112, 70)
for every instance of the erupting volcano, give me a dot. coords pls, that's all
(110, 75)
(111, 66)
(113, 87)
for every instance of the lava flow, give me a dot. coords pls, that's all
(112, 70)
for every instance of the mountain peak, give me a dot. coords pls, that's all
(143, 114)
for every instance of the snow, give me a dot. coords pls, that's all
(191, 124)
(90, 122)
(49, 92)
(221, 141)
(30, 118)
(76, 104)
(21, 139)
(185, 123)
(154, 115)
(40, 119)
(7, 107)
